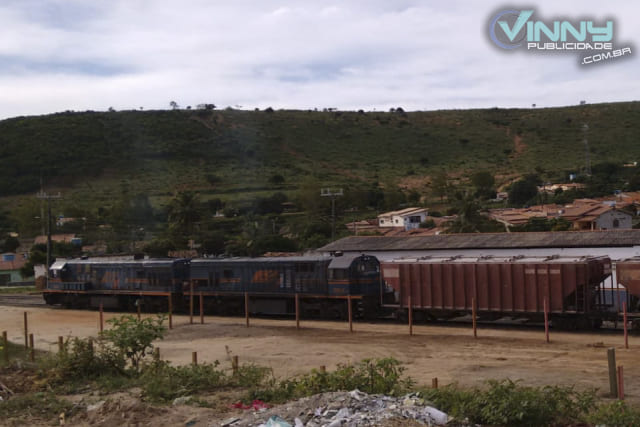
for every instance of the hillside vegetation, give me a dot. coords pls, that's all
(233, 158)
(244, 148)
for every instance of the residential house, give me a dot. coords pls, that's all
(583, 214)
(587, 214)
(10, 265)
(66, 238)
(409, 218)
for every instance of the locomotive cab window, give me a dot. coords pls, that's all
(305, 268)
(368, 266)
(140, 274)
(227, 274)
(338, 273)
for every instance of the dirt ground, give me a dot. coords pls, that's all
(449, 353)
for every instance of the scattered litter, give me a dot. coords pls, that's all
(352, 409)
(275, 421)
(96, 406)
(183, 400)
(256, 405)
(229, 421)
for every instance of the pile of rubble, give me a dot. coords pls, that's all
(344, 409)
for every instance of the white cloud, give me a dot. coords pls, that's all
(57, 55)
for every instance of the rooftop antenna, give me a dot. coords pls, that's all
(587, 156)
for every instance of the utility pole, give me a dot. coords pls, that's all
(333, 193)
(48, 197)
(587, 155)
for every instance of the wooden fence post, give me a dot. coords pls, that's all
(201, 309)
(474, 317)
(350, 313)
(5, 346)
(32, 350)
(26, 332)
(297, 311)
(234, 365)
(620, 383)
(194, 357)
(101, 318)
(139, 310)
(191, 302)
(613, 380)
(246, 308)
(410, 308)
(434, 382)
(170, 312)
(60, 344)
(626, 329)
(546, 320)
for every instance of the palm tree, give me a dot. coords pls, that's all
(184, 212)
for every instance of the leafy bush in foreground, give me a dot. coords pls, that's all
(508, 403)
(369, 375)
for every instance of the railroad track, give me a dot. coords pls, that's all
(22, 300)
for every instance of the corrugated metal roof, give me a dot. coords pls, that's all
(558, 239)
(300, 258)
(129, 262)
(343, 261)
(497, 260)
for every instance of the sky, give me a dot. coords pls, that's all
(58, 55)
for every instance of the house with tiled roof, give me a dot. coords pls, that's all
(10, 265)
(583, 214)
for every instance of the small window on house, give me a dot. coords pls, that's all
(397, 221)
(616, 223)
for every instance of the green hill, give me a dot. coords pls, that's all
(238, 156)
(246, 147)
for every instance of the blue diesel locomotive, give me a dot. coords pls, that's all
(321, 283)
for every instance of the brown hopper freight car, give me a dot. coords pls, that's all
(628, 275)
(517, 287)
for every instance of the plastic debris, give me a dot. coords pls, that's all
(256, 405)
(183, 400)
(342, 409)
(275, 421)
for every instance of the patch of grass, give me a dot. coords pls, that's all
(369, 375)
(163, 382)
(508, 403)
(615, 414)
(43, 406)
(16, 351)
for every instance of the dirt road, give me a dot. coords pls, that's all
(447, 352)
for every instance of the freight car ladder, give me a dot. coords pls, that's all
(580, 298)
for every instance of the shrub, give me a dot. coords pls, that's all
(162, 382)
(615, 414)
(507, 403)
(133, 338)
(369, 375)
